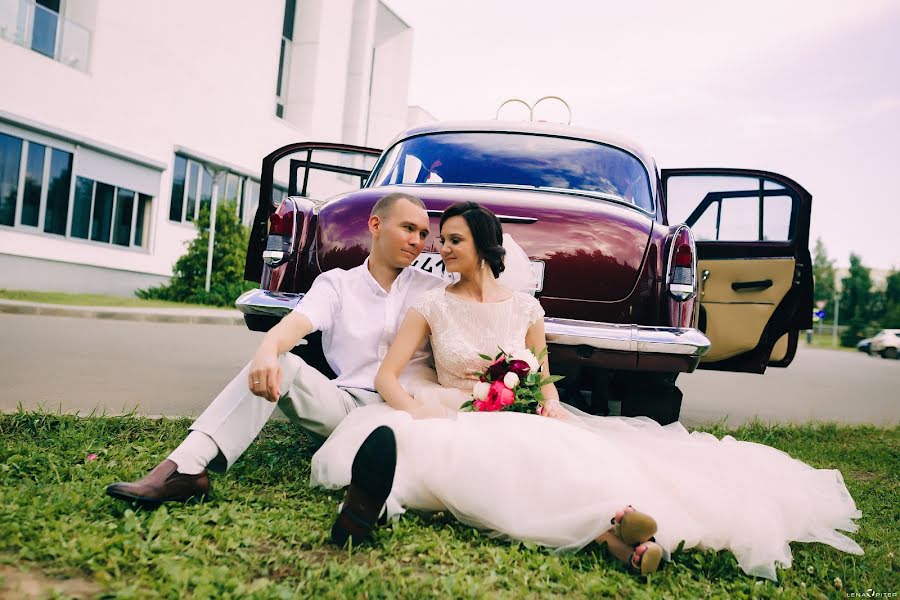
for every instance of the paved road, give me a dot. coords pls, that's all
(176, 369)
(117, 366)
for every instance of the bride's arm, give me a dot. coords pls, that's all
(409, 338)
(537, 340)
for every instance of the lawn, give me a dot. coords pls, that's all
(94, 300)
(264, 531)
(824, 340)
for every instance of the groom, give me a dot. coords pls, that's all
(358, 312)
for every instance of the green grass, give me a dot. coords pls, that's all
(823, 340)
(94, 300)
(263, 533)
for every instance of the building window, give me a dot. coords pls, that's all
(35, 181)
(284, 57)
(34, 175)
(40, 26)
(109, 214)
(192, 183)
(46, 21)
(10, 158)
(60, 181)
(35, 190)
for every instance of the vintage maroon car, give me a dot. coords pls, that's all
(642, 275)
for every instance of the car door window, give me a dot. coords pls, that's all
(732, 209)
(320, 174)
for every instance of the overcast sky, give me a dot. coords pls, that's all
(809, 89)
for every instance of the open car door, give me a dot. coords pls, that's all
(312, 170)
(756, 287)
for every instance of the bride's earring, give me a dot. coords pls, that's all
(481, 265)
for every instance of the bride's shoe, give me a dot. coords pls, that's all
(646, 558)
(633, 527)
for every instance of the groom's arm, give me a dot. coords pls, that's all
(264, 378)
(316, 312)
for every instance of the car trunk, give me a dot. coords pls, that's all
(592, 249)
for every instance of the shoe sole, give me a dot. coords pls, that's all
(149, 503)
(636, 528)
(650, 559)
(371, 480)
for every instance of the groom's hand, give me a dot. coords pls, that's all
(264, 378)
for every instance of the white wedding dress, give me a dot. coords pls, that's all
(558, 484)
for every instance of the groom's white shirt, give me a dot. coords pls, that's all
(359, 320)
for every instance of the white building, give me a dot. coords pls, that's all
(110, 111)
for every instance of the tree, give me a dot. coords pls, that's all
(891, 318)
(823, 274)
(189, 274)
(856, 301)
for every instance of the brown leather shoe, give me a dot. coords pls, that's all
(162, 484)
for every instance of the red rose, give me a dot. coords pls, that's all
(497, 370)
(520, 368)
(499, 396)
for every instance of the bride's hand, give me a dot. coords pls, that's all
(551, 408)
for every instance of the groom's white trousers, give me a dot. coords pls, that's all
(235, 418)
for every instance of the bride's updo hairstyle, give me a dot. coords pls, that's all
(487, 232)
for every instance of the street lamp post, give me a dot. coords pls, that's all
(214, 173)
(837, 314)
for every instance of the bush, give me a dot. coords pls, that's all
(189, 276)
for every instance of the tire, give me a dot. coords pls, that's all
(889, 353)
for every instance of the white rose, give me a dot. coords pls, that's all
(529, 358)
(511, 380)
(481, 389)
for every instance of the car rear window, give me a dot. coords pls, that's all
(532, 161)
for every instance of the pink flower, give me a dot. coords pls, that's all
(91, 457)
(478, 405)
(498, 369)
(499, 395)
(520, 368)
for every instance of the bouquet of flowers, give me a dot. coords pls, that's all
(511, 382)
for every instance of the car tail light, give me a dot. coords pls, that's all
(681, 274)
(283, 228)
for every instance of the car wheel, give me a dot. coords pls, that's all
(889, 353)
(653, 395)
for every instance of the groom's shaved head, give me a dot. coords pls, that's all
(384, 206)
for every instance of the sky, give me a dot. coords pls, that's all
(807, 89)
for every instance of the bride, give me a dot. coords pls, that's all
(565, 478)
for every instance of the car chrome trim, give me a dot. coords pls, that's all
(267, 303)
(566, 332)
(642, 339)
(683, 292)
(627, 337)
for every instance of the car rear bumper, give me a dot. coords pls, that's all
(610, 345)
(629, 346)
(263, 303)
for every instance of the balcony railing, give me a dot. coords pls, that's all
(33, 26)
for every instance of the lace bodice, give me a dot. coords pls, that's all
(461, 329)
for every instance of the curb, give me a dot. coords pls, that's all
(160, 315)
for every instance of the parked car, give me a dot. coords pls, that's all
(643, 274)
(865, 346)
(886, 343)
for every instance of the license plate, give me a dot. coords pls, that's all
(431, 262)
